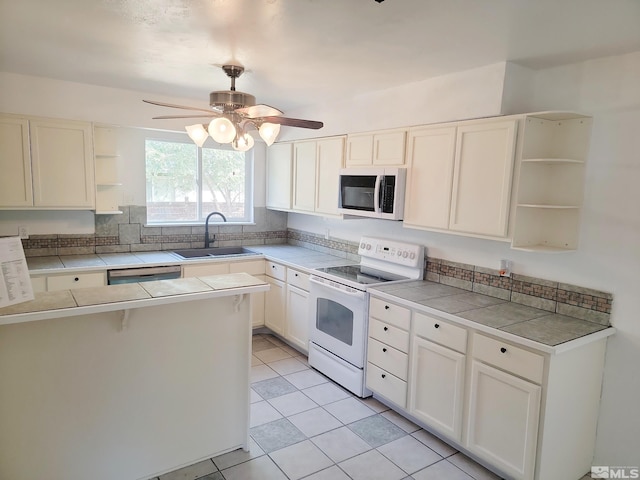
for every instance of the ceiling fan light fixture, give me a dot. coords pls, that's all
(243, 143)
(197, 133)
(269, 132)
(222, 130)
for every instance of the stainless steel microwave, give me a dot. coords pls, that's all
(372, 192)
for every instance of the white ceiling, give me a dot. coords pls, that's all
(300, 52)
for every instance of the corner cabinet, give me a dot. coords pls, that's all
(47, 164)
(551, 182)
(459, 177)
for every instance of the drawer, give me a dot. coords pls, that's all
(254, 267)
(387, 333)
(385, 384)
(444, 333)
(508, 357)
(390, 313)
(298, 279)
(276, 270)
(205, 269)
(388, 358)
(39, 284)
(80, 280)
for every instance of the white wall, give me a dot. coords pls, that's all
(608, 258)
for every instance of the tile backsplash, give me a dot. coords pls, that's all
(561, 298)
(128, 233)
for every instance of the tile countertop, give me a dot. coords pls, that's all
(539, 329)
(64, 303)
(289, 255)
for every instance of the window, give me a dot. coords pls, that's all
(185, 182)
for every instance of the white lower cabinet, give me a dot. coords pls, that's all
(502, 422)
(80, 280)
(437, 387)
(526, 414)
(297, 330)
(275, 305)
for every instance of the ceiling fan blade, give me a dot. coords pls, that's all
(162, 104)
(294, 122)
(168, 117)
(259, 111)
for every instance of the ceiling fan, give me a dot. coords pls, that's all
(233, 113)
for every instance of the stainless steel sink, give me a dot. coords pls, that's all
(214, 252)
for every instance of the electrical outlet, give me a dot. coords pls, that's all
(23, 232)
(505, 268)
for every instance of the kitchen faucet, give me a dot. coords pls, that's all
(206, 228)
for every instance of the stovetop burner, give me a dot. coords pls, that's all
(361, 274)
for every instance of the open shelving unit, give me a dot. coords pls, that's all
(551, 182)
(108, 185)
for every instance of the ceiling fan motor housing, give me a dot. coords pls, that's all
(228, 100)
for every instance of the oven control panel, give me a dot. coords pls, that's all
(400, 253)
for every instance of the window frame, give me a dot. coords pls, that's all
(249, 172)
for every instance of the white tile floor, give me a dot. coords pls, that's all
(303, 426)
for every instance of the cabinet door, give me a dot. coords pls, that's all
(257, 306)
(330, 159)
(429, 177)
(279, 166)
(388, 148)
(503, 420)
(304, 176)
(15, 163)
(274, 306)
(359, 150)
(297, 329)
(482, 178)
(62, 161)
(436, 387)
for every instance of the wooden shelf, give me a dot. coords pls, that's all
(543, 249)
(552, 161)
(109, 184)
(540, 205)
(109, 212)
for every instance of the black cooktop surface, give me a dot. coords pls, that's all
(360, 274)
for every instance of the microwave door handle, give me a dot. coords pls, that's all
(376, 194)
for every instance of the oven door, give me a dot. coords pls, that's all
(338, 316)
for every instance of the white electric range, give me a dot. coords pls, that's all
(339, 304)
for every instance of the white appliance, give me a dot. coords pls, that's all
(372, 192)
(339, 307)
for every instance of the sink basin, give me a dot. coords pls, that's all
(214, 252)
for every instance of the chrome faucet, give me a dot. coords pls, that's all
(206, 228)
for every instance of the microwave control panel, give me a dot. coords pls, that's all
(400, 253)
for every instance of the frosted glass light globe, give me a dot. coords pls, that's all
(197, 133)
(244, 143)
(222, 130)
(269, 132)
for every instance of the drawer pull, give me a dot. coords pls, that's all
(383, 375)
(76, 279)
(386, 328)
(437, 325)
(384, 350)
(386, 307)
(503, 350)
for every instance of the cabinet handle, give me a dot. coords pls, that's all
(437, 325)
(384, 350)
(386, 307)
(386, 328)
(76, 279)
(503, 350)
(383, 375)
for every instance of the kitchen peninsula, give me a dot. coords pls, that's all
(125, 381)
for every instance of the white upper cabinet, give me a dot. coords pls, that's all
(330, 154)
(62, 162)
(304, 176)
(279, 169)
(15, 163)
(482, 178)
(384, 148)
(430, 159)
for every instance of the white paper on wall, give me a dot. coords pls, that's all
(15, 283)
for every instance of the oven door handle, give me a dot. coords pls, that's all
(357, 293)
(376, 195)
